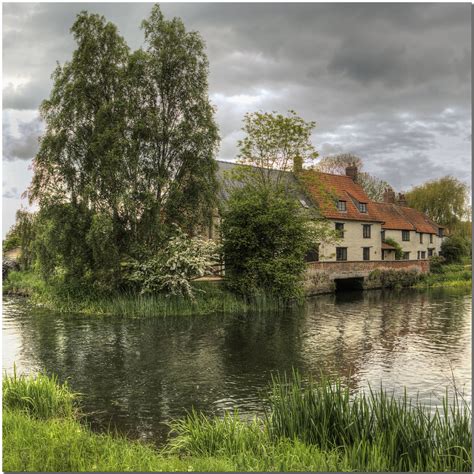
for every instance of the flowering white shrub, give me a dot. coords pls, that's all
(183, 259)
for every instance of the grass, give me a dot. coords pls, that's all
(455, 275)
(307, 427)
(210, 298)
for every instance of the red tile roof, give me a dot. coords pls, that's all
(327, 189)
(386, 246)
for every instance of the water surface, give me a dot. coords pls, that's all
(138, 374)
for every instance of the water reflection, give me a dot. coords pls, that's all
(139, 373)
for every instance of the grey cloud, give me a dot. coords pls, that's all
(377, 78)
(11, 193)
(24, 146)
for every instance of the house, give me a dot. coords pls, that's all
(363, 225)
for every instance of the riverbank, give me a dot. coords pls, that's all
(455, 275)
(42, 431)
(210, 298)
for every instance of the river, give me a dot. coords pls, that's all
(138, 374)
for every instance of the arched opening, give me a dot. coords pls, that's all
(349, 284)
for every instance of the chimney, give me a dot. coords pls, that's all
(351, 171)
(389, 196)
(402, 200)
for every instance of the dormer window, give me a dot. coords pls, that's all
(362, 207)
(341, 206)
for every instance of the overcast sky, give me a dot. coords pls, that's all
(390, 83)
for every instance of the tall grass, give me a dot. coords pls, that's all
(211, 298)
(406, 435)
(39, 396)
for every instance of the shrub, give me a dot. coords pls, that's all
(436, 264)
(454, 248)
(395, 278)
(266, 236)
(172, 269)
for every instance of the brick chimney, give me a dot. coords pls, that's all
(402, 200)
(351, 171)
(389, 196)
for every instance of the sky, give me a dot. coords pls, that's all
(388, 82)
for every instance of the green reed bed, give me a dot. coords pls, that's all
(210, 298)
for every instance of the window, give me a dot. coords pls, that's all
(362, 207)
(341, 206)
(421, 237)
(340, 229)
(423, 255)
(440, 232)
(366, 253)
(406, 255)
(405, 235)
(383, 235)
(430, 252)
(312, 255)
(366, 231)
(341, 253)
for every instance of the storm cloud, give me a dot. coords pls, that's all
(390, 82)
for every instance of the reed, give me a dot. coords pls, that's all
(39, 396)
(403, 434)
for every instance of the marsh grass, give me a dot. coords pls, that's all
(40, 396)
(403, 434)
(210, 298)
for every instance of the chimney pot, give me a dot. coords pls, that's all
(351, 171)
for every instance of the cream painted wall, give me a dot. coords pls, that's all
(354, 241)
(414, 245)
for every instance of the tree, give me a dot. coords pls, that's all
(444, 200)
(275, 142)
(337, 164)
(266, 235)
(128, 148)
(454, 247)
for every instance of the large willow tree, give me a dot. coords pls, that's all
(128, 147)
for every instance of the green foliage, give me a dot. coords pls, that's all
(395, 278)
(454, 248)
(265, 238)
(11, 240)
(398, 248)
(39, 396)
(274, 141)
(173, 268)
(436, 264)
(128, 152)
(444, 200)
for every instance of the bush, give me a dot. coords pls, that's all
(454, 248)
(266, 237)
(172, 269)
(436, 264)
(395, 278)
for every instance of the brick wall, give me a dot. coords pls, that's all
(361, 267)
